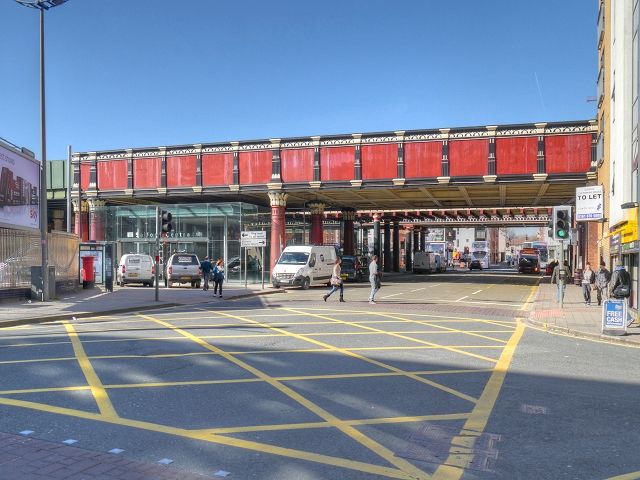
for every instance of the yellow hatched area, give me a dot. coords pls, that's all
(499, 336)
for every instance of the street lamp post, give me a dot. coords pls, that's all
(43, 5)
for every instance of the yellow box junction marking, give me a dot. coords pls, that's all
(382, 451)
(97, 389)
(350, 353)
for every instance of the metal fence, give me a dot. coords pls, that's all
(20, 250)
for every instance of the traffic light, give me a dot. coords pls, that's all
(165, 218)
(561, 222)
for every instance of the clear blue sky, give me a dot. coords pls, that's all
(132, 73)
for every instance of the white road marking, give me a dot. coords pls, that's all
(96, 296)
(418, 289)
(394, 295)
(462, 298)
(477, 291)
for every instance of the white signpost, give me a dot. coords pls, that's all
(250, 239)
(589, 203)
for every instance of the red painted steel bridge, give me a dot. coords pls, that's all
(496, 173)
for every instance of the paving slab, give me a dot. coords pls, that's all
(574, 318)
(97, 301)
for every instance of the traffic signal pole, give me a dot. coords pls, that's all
(157, 255)
(561, 280)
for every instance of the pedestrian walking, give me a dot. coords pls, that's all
(588, 279)
(603, 277)
(336, 281)
(218, 278)
(206, 268)
(560, 276)
(620, 284)
(374, 278)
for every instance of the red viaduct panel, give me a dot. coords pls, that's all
(567, 153)
(84, 175)
(181, 171)
(255, 167)
(337, 163)
(516, 155)
(146, 172)
(297, 165)
(422, 159)
(468, 157)
(112, 175)
(379, 161)
(217, 169)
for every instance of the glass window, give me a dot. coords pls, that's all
(294, 258)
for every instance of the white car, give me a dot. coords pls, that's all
(183, 268)
(303, 266)
(135, 268)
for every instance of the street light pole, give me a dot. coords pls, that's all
(44, 244)
(43, 5)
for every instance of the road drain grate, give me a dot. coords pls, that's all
(443, 445)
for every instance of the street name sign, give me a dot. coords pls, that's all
(257, 238)
(589, 203)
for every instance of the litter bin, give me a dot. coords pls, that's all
(87, 272)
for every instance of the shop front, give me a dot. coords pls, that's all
(623, 247)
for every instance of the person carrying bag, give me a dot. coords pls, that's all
(336, 281)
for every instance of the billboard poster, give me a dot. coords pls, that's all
(589, 203)
(19, 190)
(435, 235)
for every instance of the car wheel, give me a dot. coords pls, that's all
(197, 284)
(306, 283)
(276, 285)
(169, 284)
(359, 278)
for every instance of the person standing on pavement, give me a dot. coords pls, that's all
(560, 276)
(588, 279)
(603, 276)
(374, 278)
(218, 278)
(336, 281)
(206, 268)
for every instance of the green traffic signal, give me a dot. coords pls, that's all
(562, 222)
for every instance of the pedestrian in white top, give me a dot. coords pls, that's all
(374, 278)
(588, 278)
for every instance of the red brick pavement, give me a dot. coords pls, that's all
(26, 458)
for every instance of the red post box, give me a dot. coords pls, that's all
(88, 274)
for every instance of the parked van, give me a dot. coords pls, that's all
(304, 266)
(135, 268)
(424, 262)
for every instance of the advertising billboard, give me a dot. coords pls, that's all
(589, 203)
(19, 189)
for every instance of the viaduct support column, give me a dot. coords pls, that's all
(317, 217)
(423, 237)
(278, 202)
(387, 246)
(348, 216)
(396, 247)
(408, 249)
(416, 239)
(96, 220)
(81, 221)
(376, 234)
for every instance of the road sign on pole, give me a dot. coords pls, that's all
(257, 238)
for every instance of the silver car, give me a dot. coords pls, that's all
(183, 268)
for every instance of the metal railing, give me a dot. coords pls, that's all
(20, 250)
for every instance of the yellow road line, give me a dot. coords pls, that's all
(446, 329)
(364, 421)
(218, 439)
(627, 476)
(453, 467)
(97, 389)
(424, 342)
(355, 434)
(246, 380)
(353, 354)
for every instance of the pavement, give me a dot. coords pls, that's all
(575, 318)
(97, 301)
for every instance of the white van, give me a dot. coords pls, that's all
(135, 268)
(304, 266)
(424, 262)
